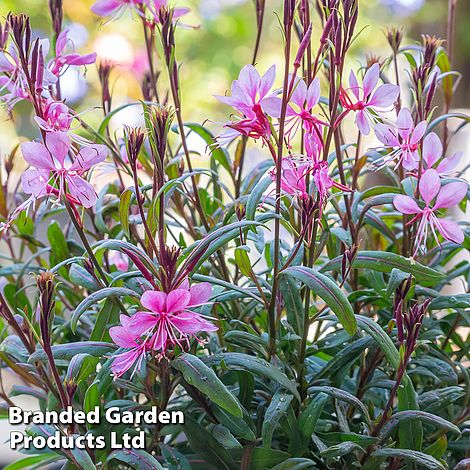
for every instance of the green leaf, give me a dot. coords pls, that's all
(420, 458)
(81, 277)
(295, 311)
(295, 463)
(260, 458)
(255, 197)
(450, 301)
(124, 204)
(238, 426)
(343, 395)
(92, 398)
(384, 262)
(108, 315)
(242, 260)
(219, 154)
(136, 458)
(277, 409)
(246, 340)
(30, 461)
(428, 418)
(309, 417)
(92, 299)
(254, 365)
(67, 351)
(197, 374)
(338, 450)
(204, 444)
(57, 241)
(328, 290)
(81, 367)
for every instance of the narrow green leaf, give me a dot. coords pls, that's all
(384, 262)
(277, 409)
(197, 374)
(92, 299)
(328, 290)
(420, 458)
(254, 365)
(124, 204)
(136, 458)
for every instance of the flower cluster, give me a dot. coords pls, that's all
(169, 320)
(406, 143)
(57, 167)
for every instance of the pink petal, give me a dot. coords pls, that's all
(362, 123)
(125, 320)
(386, 134)
(370, 79)
(122, 337)
(35, 182)
(405, 204)
(410, 159)
(313, 93)
(61, 42)
(429, 185)
(432, 149)
(418, 132)
(123, 362)
(90, 156)
(58, 144)
(384, 96)
(449, 164)
(404, 123)
(82, 190)
(267, 81)
(299, 94)
(159, 339)
(154, 300)
(451, 231)
(451, 194)
(37, 155)
(272, 106)
(249, 80)
(191, 323)
(140, 323)
(179, 12)
(177, 300)
(353, 84)
(105, 7)
(5, 64)
(200, 294)
(77, 59)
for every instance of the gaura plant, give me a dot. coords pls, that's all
(298, 313)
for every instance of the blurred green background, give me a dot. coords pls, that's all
(213, 53)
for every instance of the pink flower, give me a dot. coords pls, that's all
(127, 337)
(63, 58)
(445, 197)
(14, 80)
(119, 260)
(320, 170)
(404, 141)
(170, 320)
(432, 153)
(366, 102)
(114, 7)
(55, 171)
(299, 108)
(293, 177)
(252, 98)
(155, 5)
(56, 117)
